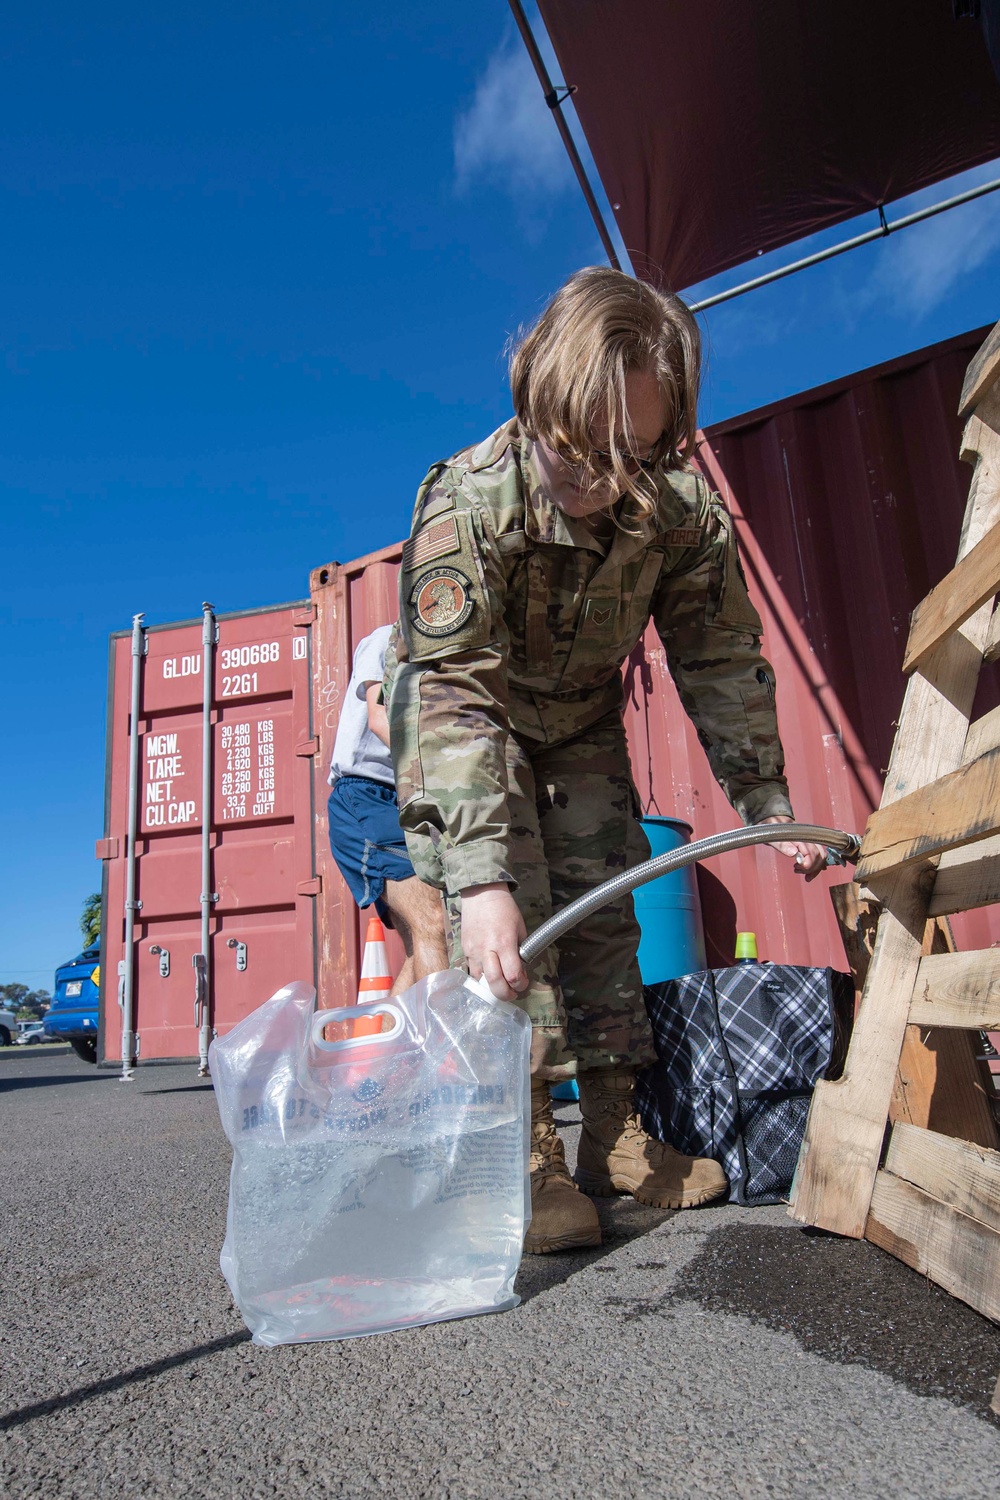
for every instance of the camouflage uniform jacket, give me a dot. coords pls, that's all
(514, 616)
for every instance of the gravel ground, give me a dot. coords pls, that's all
(719, 1352)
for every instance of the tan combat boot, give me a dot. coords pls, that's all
(616, 1154)
(561, 1217)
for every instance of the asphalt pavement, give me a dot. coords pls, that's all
(719, 1352)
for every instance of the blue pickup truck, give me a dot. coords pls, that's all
(72, 1016)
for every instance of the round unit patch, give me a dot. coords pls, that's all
(441, 601)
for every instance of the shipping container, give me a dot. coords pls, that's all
(848, 501)
(224, 888)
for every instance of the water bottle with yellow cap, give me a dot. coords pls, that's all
(746, 947)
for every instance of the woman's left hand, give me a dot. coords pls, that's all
(810, 859)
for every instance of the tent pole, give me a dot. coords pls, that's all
(886, 227)
(555, 99)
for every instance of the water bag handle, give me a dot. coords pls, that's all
(323, 1018)
(481, 988)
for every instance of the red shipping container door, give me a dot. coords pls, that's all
(848, 501)
(262, 876)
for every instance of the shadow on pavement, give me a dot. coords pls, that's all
(622, 1220)
(848, 1302)
(42, 1080)
(117, 1382)
(14, 1053)
(183, 1088)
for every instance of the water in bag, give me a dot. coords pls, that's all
(378, 1182)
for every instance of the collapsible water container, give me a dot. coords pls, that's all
(378, 1181)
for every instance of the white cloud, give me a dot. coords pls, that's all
(917, 270)
(506, 137)
(757, 320)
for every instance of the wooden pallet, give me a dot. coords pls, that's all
(942, 1083)
(931, 849)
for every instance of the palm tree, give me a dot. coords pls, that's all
(90, 919)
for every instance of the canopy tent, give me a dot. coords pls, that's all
(725, 128)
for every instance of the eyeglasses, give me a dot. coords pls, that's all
(630, 460)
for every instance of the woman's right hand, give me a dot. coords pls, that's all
(492, 932)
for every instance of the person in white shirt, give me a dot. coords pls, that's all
(365, 836)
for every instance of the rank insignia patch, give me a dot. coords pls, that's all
(441, 602)
(683, 536)
(433, 541)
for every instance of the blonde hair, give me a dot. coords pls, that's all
(571, 366)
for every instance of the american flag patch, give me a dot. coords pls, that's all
(683, 536)
(434, 541)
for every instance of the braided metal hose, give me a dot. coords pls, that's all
(841, 847)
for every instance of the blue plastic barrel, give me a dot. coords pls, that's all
(669, 911)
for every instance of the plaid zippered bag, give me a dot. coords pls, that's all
(740, 1051)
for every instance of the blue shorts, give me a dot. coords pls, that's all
(366, 839)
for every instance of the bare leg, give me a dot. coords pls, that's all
(405, 977)
(417, 912)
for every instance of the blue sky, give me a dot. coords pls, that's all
(259, 266)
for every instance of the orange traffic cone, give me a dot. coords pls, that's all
(376, 980)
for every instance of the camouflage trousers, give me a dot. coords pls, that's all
(573, 824)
